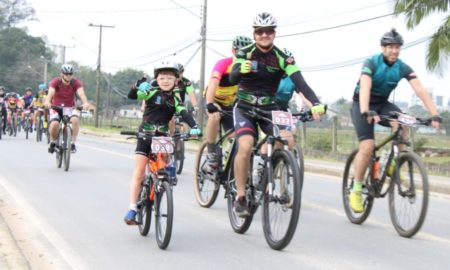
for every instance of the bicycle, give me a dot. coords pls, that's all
(279, 188)
(64, 142)
(12, 123)
(156, 190)
(27, 122)
(403, 193)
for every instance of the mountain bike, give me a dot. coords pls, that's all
(64, 142)
(278, 188)
(179, 145)
(27, 122)
(407, 184)
(12, 123)
(156, 190)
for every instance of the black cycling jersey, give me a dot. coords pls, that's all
(267, 72)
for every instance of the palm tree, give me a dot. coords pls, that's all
(439, 46)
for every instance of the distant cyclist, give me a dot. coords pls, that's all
(258, 69)
(38, 103)
(3, 107)
(61, 93)
(221, 95)
(160, 106)
(27, 99)
(380, 75)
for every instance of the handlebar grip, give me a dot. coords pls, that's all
(128, 132)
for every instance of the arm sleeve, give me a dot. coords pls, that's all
(133, 93)
(188, 118)
(235, 74)
(303, 87)
(189, 87)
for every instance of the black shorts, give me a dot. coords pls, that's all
(363, 129)
(247, 125)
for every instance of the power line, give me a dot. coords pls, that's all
(190, 59)
(112, 11)
(211, 49)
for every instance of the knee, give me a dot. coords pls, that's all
(366, 149)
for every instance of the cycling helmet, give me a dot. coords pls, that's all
(2, 88)
(28, 89)
(180, 68)
(167, 66)
(391, 37)
(67, 68)
(42, 86)
(241, 41)
(264, 19)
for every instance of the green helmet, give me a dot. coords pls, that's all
(241, 41)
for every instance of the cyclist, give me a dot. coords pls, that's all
(259, 68)
(220, 95)
(184, 85)
(62, 92)
(38, 102)
(161, 105)
(380, 75)
(12, 105)
(27, 99)
(3, 107)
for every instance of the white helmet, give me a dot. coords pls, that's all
(264, 19)
(67, 68)
(166, 66)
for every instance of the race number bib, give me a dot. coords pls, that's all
(162, 145)
(282, 118)
(406, 120)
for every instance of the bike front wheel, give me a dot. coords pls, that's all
(179, 155)
(282, 200)
(408, 198)
(144, 212)
(206, 186)
(347, 186)
(59, 150)
(67, 147)
(39, 130)
(163, 214)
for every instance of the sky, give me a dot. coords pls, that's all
(147, 31)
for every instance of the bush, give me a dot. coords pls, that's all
(420, 143)
(321, 142)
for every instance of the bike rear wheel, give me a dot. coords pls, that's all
(408, 198)
(206, 186)
(26, 128)
(281, 209)
(163, 214)
(67, 146)
(347, 186)
(179, 155)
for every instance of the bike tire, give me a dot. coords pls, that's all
(163, 218)
(39, 130)
(1, 125)
(298, 155)
(59, 149)
(179, 155)
(286, 188)
(26, 128)
(409, 193)
(15, 126)
(239, 224)
(67, 147)
(347, 185)
(144, 213)
(205, 189)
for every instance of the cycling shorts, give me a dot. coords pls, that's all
(364, 130)
(70, 111)
(244, 124)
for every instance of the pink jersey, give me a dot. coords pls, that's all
(226, 91)
(65, 94)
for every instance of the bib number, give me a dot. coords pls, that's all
(162, 145)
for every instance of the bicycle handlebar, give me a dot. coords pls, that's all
(143, 135)
(393, 115)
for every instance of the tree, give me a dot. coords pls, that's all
(446, 122)
(417, 111)
(439, 46)
(13, 12)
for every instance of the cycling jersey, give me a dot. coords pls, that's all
(39, 100)
(27, 101)
(267, 72)
(226, 91)
(160, 106)
(385, 77)
(65, 93)
(184, 86)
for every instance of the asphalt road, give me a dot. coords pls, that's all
(73, 220)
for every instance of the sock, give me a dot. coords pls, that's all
(133, 206)
(357, 186)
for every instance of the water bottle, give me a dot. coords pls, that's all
(257, 170)
(382, 162)
(227, 151)
(172, 170)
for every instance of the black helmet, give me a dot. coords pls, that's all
(167, 66)
(241, 41)
(391, 37)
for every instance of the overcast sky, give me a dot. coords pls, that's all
(148, 30)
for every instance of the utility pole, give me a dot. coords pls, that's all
(202, 65)
(97, 98)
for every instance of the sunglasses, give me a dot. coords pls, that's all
(268, 31)
(67, 73)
